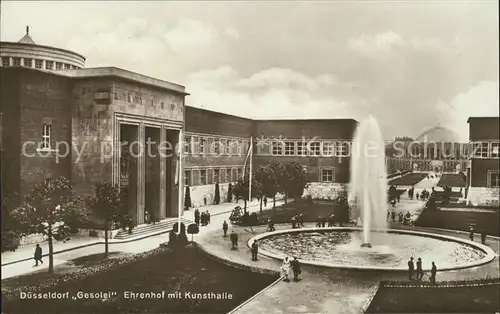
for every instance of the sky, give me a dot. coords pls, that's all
(412, 64)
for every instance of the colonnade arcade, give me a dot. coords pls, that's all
(145, 169)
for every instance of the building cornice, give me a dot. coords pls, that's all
(126, 75)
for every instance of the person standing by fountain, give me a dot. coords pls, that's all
(224, 228)
(420, 271)
(471, 233)
(295, 268)
(411, 268)
(234, 240)
(285, 267)
(483, 237)
(433, 273)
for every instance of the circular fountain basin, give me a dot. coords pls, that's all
(340, 247)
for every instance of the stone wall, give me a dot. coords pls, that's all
(324, 190)
(91, 136)
(484, 196)
(43, 100)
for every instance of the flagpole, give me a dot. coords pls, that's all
(180, 181)
(250, 174)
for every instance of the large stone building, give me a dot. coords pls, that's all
(484, 172)
(62, 119)
(71, 121)
(218, 144)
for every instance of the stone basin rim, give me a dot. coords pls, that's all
(490, 254)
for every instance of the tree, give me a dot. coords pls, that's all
(296, 180)
(187, 199)
(106, 204)
(290, 178)
(240, 191)
(217, 194)
(15, 224)
(230, 193)
(192, 230)
(266, 180)
(53, 210)
(278, 172)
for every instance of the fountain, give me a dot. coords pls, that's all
(369, 177)
(339, 247)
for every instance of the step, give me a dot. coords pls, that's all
(146, 229)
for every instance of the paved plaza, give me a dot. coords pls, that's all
(20, 262)
(321, 290)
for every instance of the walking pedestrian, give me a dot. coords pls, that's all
(255, 250)
(265, 201)
(38, 254)
(471, 233)
(234, 240)
(433, 273)
(197, 217)
(296, 268)
(285, 267)
(483, 237)
(411, 268)
(224, 228)
(420, 271)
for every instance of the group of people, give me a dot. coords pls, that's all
(322, 221)
(297, 221)
(203, 218)
(401, 217)
(471, 234)
(292, 265)
(419, 270)
(270, 225)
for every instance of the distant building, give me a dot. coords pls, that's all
(437, 149)
(484, 171)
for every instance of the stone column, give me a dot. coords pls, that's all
(165, 149)
(141, 168)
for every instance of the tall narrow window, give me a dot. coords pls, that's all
(203, 142)
(46, 136)
(187, 177)
(493, 179)
(187, 145)
(203, 177)
(216, 176)
(495, 152)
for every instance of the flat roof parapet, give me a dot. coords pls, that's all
(124, 74)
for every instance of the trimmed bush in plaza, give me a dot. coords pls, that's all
(183, 275)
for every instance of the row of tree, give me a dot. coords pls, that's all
(284, 177)
(54, 210)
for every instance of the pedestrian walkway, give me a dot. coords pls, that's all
(323, 290)
(21, 262)
(426, 184)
